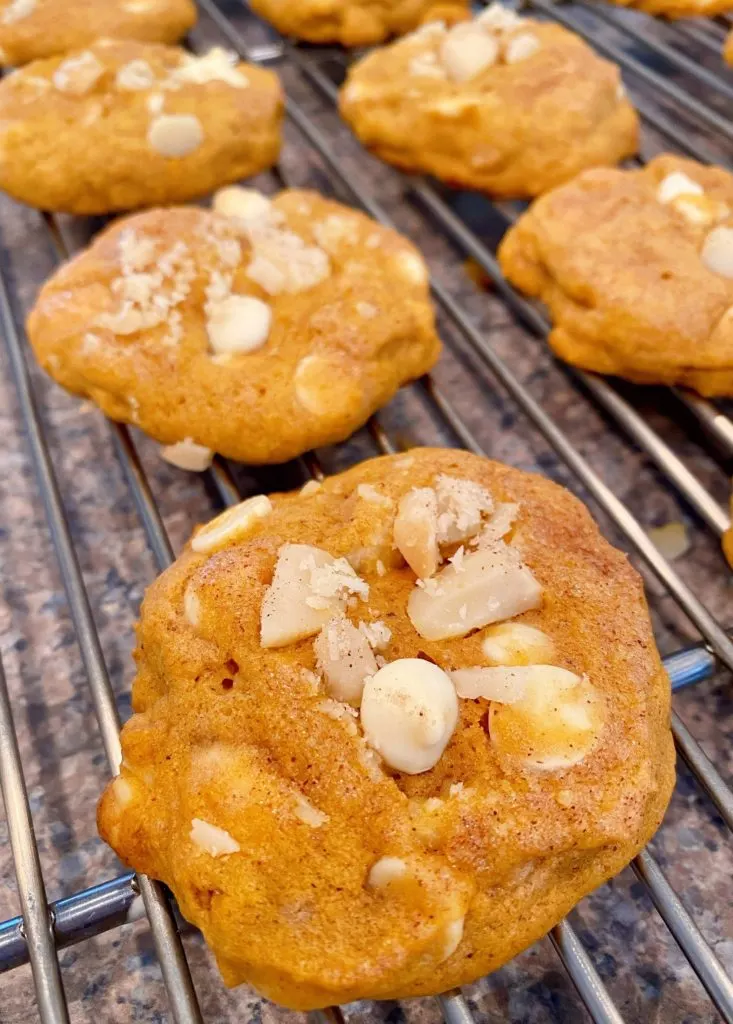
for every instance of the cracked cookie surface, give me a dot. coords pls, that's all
(506, 105)
(636, 269)
(123, 125)
(314, 766)
(259, 332)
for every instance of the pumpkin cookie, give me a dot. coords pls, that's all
(504, 104)
(126, 124)
(355, 22)
(678, 8)
(728, 48)
(32, 29)
(636, 268)
(390, 729)
(258, 331)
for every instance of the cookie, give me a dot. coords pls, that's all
(124, 125)
(636, 269)
(678, 8)
(355, 22)
(504, 104)
(258, 331)
(728, 538)
(33, 29)
(728, 49)
(390, 729)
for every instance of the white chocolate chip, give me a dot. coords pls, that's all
(123, 791)
(497, 18)
(16, 10)
(373, 496)
(520, 47)
(155, 102)
(212, 839)
(175, 135)
(308, 814)
(135, 76)
(237, 324)
(717, 251)
(503, 683)
(192, 606)
(345, 659)
(488, 586)
(409, 711)
(554, 725)
(700, 210)
(513, 643)
(233, 525)
(311, 487)
(218, 65)
(245, 203)
(312, 382)
(78, 75)
(451, 938)
(677, 184)
(412, 267)
(416, 531)
(385, 871)
(467, 50)
(187, 454)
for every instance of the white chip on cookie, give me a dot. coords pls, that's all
(175, 135)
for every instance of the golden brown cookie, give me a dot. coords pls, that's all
(125, 124)
(361, 782)
(636, 268)
(32, 29)
(355, 22)
(728, 538)
(728, 48)
(504, 104)
(678, 8)
(259, 332)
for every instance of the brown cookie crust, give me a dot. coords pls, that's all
(227, 732)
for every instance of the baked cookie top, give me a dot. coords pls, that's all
(31, 29)
(258, 331)
(389, 729)
(636, 268)
(355, 22)
(505, 104)
(728, 48)
(124, 124)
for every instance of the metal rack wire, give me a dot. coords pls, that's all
(44, 929)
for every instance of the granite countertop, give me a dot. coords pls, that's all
(115, 977)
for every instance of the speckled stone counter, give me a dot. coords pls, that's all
(115, 978)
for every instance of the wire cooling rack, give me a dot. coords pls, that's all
(635, 454)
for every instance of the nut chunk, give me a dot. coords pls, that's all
(488, 586)
(309, 585)
(345, 658)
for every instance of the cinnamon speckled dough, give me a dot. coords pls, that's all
(256, 339)
(30, 29)
(546, 108)
(125, 124)
(355, 22)
(234, 735)
(623, 275)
